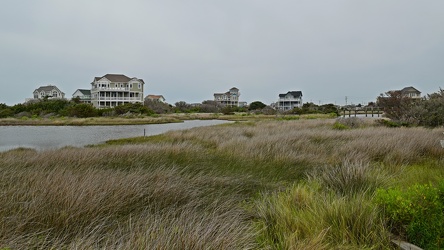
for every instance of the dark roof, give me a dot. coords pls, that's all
(114, 78)
(295, 94)
(47, 88)
(410, 89)
(84, 91)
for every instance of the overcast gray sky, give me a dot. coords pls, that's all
(188, 50)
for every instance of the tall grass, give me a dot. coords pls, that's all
(302, 218)
(296, 184)
(55, 200)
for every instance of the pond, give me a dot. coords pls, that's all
(53, 137)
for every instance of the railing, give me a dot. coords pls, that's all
(113, 89)
(108, 98)
(86, 97)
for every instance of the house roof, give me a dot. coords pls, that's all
(117, 78)
(155, 96)
(48, 88)
(84, 91)
(295, 94)
(410, 89)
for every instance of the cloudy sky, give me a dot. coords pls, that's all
(188, 50)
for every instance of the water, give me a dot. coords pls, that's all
(53, 137)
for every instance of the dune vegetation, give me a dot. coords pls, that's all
(275, 184)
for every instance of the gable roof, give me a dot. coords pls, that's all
(114, 78)
(84, 91)
(155, 96)
(295, 94)
(410, 89)
(48, 88)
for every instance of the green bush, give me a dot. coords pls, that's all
(339, 126)
(134, 108)
(6, 112)
(416, 213)
(81, 110)
(388, 123)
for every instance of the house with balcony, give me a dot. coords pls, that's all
(289, 101)
(230, 98)
(112, 90)
(83, 95)
(49, 91)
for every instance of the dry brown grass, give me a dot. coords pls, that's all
(76, 198)
(314, 142)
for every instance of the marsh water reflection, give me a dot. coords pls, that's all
(52, 137)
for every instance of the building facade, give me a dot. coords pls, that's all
(289, 101)
(112, 90)
(49, 91)
(230, 98)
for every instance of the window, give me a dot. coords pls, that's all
(54, 94)
(140, 86)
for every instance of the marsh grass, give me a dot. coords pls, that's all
(52, 205)
(351, 177)
(304, 218)
(293, 184)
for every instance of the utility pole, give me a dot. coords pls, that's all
(345, 100)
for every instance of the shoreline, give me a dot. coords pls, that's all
(141, 120)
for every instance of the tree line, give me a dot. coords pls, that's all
(405, 111)
(402, 110)
(74, 108)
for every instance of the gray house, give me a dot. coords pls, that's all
(289, 101)
(411, 92)
(112, 90)
(49, 91)
(230, 98)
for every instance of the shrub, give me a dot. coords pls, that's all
(388, 123)
(339, 126)
(81, 110)
(416, 213)
(349, 177)
(136, 108)
(6, 112)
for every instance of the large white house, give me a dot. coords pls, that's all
(112, 90)
(49, 91)
(289, 101)
(230, 98)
